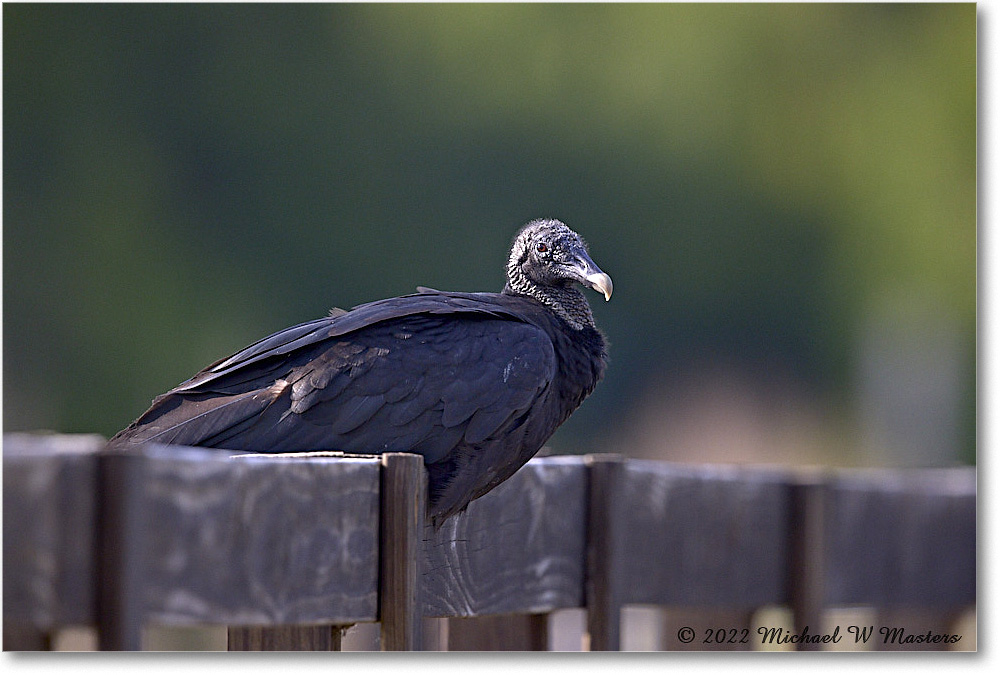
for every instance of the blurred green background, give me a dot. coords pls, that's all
(785, 196)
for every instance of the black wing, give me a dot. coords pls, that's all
(426, 373)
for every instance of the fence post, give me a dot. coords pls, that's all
(807, 559)
(284, 638)
(23, 637)
(603, 595)
(503, 632)
(403, 504)
(121, 550)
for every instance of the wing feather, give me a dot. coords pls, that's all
(443, 375)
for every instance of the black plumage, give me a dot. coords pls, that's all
(473, 382)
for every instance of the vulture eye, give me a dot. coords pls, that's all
(541, 247)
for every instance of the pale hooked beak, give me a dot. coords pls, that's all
(601, 282)
(589, 274)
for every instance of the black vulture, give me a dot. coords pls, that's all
(473, 382)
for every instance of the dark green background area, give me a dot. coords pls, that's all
(763, 182)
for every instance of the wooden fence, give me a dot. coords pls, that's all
(288, 551)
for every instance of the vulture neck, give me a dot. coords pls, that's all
(566, 301)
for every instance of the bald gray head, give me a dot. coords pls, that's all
(547, 261)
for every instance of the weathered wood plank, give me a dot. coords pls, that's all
(605, 553)
(49, 528)
(518, 549)
(902, 539)
(708, 536)
(285, 638)
(403, 506)
(504, 632)
(259, 540)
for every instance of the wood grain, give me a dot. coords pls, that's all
(285, 548)
(256, 540)
(504, 632)
(285, 638)
(403, 506)
(707, 536)
(518, 549)
(49, 528)
(902, 539)
(605, 555)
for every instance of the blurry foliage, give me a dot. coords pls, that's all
(180, 180)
